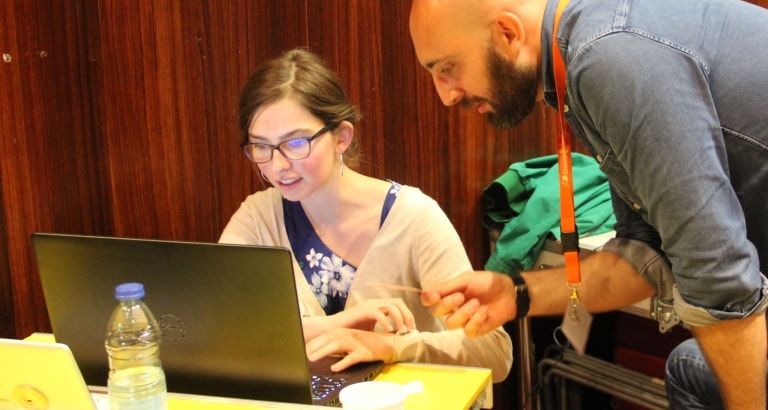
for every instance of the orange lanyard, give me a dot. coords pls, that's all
(569, 233)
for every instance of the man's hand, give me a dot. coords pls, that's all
(476, 301)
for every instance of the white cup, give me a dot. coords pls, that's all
(377, 395)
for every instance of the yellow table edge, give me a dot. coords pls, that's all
(445, 387)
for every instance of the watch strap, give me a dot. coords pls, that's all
(522, 298)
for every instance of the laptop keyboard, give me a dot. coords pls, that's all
(323, 386)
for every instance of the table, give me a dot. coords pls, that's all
(445, 388)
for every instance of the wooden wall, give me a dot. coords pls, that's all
(118, 118)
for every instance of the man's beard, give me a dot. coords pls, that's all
(512, 90)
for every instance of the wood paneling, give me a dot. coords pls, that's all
(48, 155)
(119, 118)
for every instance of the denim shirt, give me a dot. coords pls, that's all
(670, 98)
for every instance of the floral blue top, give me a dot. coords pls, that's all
(328, 274)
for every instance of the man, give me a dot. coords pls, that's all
(669, 97)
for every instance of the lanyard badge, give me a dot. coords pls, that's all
(576, 321)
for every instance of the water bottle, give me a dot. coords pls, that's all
(136, 378)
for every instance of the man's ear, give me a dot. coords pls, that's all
(508, 34)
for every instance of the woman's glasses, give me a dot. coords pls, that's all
(292, 149)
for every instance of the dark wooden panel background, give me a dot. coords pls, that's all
(118, 118)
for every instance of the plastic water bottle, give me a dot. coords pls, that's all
(136, 378)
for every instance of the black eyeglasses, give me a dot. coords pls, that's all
(293, 149)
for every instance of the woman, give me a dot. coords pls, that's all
(357, 241)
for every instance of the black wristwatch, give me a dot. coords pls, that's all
(522, 298)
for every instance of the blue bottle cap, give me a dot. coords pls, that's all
(129, 291)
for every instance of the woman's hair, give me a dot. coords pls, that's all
(304, 77)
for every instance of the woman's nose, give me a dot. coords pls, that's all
(279, 161)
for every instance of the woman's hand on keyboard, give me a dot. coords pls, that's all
(391, 314)
(354, 345)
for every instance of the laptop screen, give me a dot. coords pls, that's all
(229, 313)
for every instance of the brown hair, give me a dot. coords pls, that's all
(306, 78)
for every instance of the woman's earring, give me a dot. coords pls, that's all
(263, 176)
(341, 163)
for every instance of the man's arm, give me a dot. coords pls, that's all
(482, 301)
(736, 351)
(608, 283)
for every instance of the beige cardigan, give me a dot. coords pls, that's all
(416, 246)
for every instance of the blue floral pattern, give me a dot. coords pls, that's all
(329, 276)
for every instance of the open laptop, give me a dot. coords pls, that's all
(40, 375)
(229, 314)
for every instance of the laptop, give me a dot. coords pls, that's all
(229, 313)
(40, 375)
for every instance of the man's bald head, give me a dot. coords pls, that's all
(483, 54)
